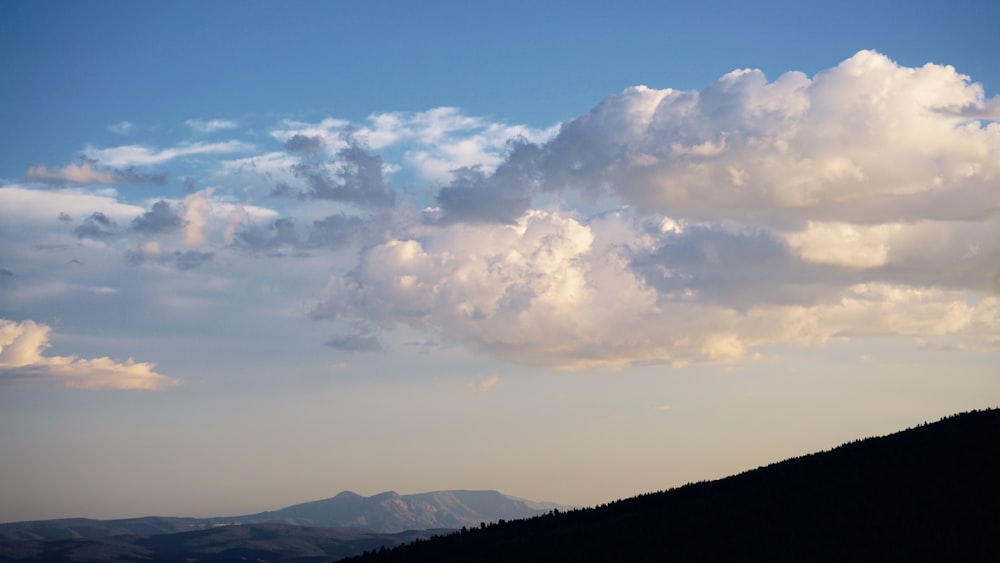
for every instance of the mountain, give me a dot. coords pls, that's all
(392, 512)
(387, 512)
(930, 493)
(252, 542)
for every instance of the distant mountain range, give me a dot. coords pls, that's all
(347, 524)
(388, 512)
(391, 512)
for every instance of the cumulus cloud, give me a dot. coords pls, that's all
(304, 144)
(443, 140)
(500, 197)
(22, 361)
(88, 172)
(97, 226)
(356, 176)
(860, 201)
(436, 142)
(162, 217)
(197, 207)
(662, 225)
(867, 141)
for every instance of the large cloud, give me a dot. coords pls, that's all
(867, 141)
(663, 225)
(554, 291)
(22, 361)
(861, 201)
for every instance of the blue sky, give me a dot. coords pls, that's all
(253, 254)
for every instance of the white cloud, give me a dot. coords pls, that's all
(211, 125)
(22, 362)
(865, 141)
(844, 244)
(139, 155)
(435, 142)
(28, 208)
(780, 257)
(196, 210)
(663, 225)
(531, 292)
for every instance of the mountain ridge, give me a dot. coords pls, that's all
(386, 512)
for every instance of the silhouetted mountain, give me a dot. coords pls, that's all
(930, 493)
(386, 512)
(251, 542)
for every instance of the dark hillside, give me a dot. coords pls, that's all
(926, 494)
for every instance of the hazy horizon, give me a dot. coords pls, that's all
(253, 255)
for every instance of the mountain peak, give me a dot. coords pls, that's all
(392, 512)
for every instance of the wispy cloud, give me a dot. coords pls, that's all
(355, 343)
(121, 128)
(140, 155)
(88, 172)
(436, 142)
(22, 361)
(211, 125)
(486, 384)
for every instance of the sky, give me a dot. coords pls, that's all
(258, 253)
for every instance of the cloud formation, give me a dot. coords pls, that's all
(22, 361)
(160, 218)
(97, 226)
(661, 226)
(860, 201)
(356, 176)
(865, 142)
